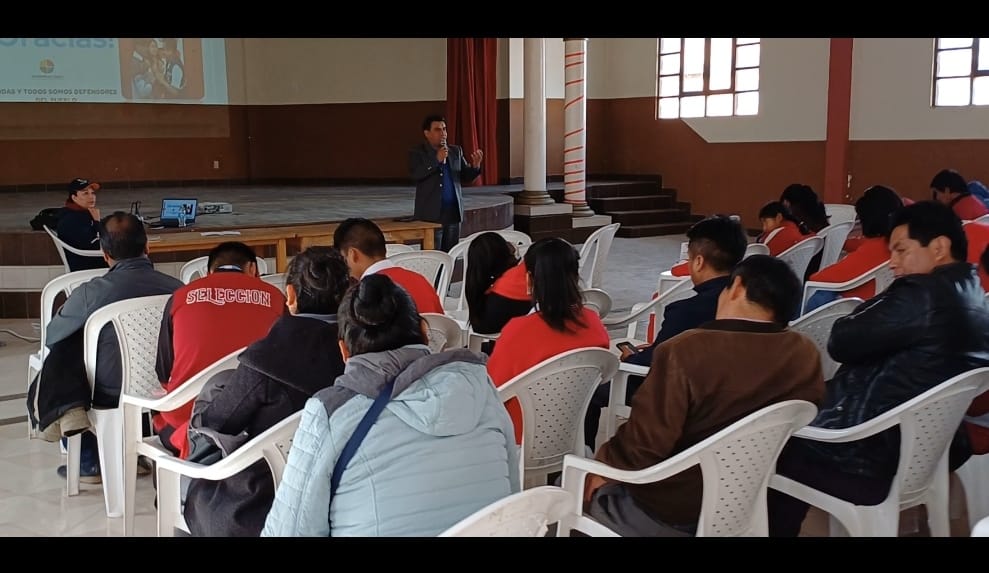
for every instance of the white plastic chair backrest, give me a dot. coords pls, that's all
(521, 240)
(61, 247)
(597, 299)
(395, 248)
(197, 268)
(444, 332)
(528, 513)
(816, 325)
(554, 395)
(981, 528)
(436, 266)
(737, 463)
(594, 254)
(277, 279)
(840, 213)
(798, 256)
(65, 283)
(884, 277)
(771, 234)
(834, 239)
(137, 322)
(755, 249)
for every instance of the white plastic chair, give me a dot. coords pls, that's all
(554, 395)
(137, 322)
(736, 464)
(61, 247)
(817, 325)
(928, 423)
(277, 280)
(881, 273)
(396, 248)
(528, 513)
(617, 408)
(436, 266)
(840, 213)
(798, 256)
(598, 300)
(981, 529)
(974, 475)
(834, 239)
(196, 268)
(755, 249)
(444, 332)
(62, 284)
(152, 397)
(641, 311)
(521, 240)
(594, 255)
(522, 243)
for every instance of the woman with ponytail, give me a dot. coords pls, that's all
(405, 443)
(495, 285)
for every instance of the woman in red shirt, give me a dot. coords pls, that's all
(873, 209)
(780, 229)
(495, 286)
(560, 322)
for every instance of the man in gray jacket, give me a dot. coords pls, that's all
(64, 397)
(438, 170)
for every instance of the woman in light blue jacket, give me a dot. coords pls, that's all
(438, 444)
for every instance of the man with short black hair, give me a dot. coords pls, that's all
(362, 245)
(208, 319)
(65, 394)
(949, 187)
(700, 382)
(438, 170)
(930, 325)
(715, 246)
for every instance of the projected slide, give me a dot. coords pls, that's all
(113, 70)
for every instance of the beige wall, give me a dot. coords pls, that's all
(891, 95)
(511, 73)
(280, 71)
(793, 88)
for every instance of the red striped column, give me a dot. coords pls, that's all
(575, 125)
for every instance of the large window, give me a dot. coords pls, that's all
(961, 71)
(708, 77)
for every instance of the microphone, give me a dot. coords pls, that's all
(444, 146)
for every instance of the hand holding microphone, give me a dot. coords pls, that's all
(443, 151)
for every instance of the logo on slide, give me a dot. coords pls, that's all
(46, 66)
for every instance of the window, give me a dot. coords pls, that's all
(708, 77)
(961, 71)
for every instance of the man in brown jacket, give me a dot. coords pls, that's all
(700, 382)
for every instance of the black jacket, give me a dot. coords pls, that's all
(923, 330)
(425, 172)
(276, 375)
(78, 230)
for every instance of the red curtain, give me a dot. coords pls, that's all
(471, 100)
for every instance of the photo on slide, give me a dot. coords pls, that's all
(161, 68)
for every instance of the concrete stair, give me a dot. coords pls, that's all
(644, 208)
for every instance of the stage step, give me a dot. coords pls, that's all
(644, 208)
(634, 231)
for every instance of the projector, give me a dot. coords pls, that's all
(214, 208)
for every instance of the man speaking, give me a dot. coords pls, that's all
(438, 170)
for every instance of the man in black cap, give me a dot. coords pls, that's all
(78, 223)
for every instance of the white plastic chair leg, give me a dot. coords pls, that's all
(169, 502)
(107, 424)
(974, 475)
(938, 515)
(73, 449)
(132, 433)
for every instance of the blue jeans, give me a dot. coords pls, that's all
(89, 453)
(821, 298)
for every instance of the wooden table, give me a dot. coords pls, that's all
(304, 236)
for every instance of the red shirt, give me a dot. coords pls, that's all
(422, 293)
(512, 284)
(978, 239)
(788, 235)
(969, 207)
(870, 253)
(528, 340)
(208, 319)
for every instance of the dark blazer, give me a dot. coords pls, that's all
(684, 315)
(78, 229)
(425, 172)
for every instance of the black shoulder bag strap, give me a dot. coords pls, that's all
(363, 427)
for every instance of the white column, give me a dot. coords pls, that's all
(574, 125)
(534, 124)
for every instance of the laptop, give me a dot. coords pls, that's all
(178, 212)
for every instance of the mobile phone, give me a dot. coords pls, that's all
(627, 346)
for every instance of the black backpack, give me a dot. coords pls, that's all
(46, 218)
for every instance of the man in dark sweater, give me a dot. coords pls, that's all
(699, 383)
(716, 245)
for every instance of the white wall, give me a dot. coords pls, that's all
(793, 88)
(344, 70)
(892, 81)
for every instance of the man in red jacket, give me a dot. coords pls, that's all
(206, 320)
(362, 245)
